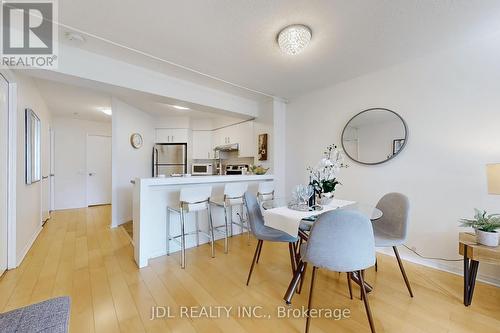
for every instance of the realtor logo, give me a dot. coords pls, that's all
(29, 33)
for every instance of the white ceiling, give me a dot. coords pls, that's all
(235, 40)
(77, 98)
(66, 100)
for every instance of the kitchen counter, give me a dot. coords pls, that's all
(152, 196)
(202, 179)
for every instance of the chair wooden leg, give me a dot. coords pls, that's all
(254, 260)
(313, 277)
(349, 284)
(376, 265)
(292, 257)
(367, 305)
(400, 263)
(260, 250)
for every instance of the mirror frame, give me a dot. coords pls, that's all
(386, 160)
(33, 167)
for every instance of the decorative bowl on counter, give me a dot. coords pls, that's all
(258, 170)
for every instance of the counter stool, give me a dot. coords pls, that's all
(265, 191)
(192, 200)
(233, 196)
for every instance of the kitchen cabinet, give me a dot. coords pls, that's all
(244, 136)
(202, 145)
(241, 134)
(172, 135)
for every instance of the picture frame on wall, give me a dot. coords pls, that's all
(262, 147)
(397, 144)
(33, 171)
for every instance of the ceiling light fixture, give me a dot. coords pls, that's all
(294, 38)
(178, 107)
(107, 111)
(74, 37)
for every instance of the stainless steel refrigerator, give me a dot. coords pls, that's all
(169, 158)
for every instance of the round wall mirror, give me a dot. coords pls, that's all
(374, 136)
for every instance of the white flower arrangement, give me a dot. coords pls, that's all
(324, 175)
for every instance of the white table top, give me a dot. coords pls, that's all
(288, 220)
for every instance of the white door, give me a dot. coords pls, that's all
(98, 170)
(52, 174)
(4, 130)
(46, 185)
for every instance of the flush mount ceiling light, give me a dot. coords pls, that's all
(106, 111)
(178, 107)
(294, 38)
(74, 37)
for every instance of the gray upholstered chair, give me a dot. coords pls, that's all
(51, 316)
(264, 233)
(391, 229)
(340, 241)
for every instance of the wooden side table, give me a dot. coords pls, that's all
(473, 254)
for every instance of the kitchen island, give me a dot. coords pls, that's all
(152, 196)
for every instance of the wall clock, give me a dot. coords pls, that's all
(136, 140)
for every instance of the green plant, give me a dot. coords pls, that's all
(482, 221)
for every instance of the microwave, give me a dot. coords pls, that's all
(202, 169)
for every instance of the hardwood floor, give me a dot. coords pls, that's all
(77, 254)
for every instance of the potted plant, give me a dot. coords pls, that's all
(323, 177)
(485, 226)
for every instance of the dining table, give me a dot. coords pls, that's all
(297, 220)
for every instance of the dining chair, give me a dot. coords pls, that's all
(340, 241)
(265, 233)
(392, 228)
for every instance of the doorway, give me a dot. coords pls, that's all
(98, 170)
(4, 179)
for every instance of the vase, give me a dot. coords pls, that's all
(487, 238)
(325, 198)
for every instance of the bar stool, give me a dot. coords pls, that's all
(233, 196)
(265, 191)
(192, 199)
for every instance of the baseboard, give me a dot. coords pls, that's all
(411, 257)
(28, 247)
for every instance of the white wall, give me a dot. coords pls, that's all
(261, 125)
(75, 61)
(71, 160)
(28, 197)
(127, 162)
(280, 144)
(171, 122)
(451, 104)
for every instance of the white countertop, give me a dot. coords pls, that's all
(201, 179)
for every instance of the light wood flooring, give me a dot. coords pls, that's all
(77, 254)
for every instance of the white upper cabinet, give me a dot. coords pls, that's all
(239, 133)
(243, 134)
(172, 135)
(202, 145)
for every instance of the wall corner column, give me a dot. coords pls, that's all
(279, 145)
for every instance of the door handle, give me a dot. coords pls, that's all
(45, 177)
(91, 174)
(52, 175)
